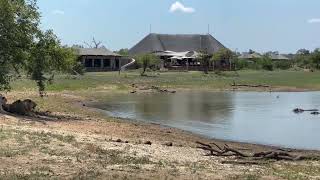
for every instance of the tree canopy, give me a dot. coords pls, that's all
(24, 46)
(147, 61)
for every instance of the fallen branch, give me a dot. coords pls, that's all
(269, 155)
(220, 151)
(251, 86)
(245, 162)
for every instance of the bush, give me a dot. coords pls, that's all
(283, 65)
(78, 69)
(242, 64)
(266, 64)
(146, 61)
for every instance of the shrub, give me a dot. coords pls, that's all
(242, 64)
(266, 64)
(283, 65)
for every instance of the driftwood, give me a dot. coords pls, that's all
(155, 88)
(249, 85)
(216, 150)
(161, 90)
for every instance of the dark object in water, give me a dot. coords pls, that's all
(298, 110)
(148, 143)
(315, 113)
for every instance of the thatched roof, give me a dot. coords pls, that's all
(278, 57)
(177, 43)
(250, 56)
(95, 52)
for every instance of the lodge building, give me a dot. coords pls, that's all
(180, 51)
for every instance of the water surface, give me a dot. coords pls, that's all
(254, 117)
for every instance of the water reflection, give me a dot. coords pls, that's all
(264, 118)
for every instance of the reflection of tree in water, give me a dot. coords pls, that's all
(153, 107)
(190, 106)
(199, 106)
(208, 107)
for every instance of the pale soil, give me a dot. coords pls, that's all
(81, 145)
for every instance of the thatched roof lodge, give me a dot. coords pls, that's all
(178, 50)
(176, 43)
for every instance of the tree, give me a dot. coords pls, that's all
(266, 63)
(147, 61)
(303, 52)
(315, 58)
(94, 44)
(23, 45)
(19, 22)
(47, 56)
(204, 59)
(123, 52)
(303, 58)
(251, 51)
(223, 54)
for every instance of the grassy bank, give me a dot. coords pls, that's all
(282, 80)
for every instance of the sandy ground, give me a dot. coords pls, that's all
(78, 146)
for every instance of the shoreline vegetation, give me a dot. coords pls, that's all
(77, 142)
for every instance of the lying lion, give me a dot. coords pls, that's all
(3, 101)
(19, 107)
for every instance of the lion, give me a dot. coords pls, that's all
(3, 103)
(19, 107)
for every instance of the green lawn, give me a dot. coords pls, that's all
(189, 80)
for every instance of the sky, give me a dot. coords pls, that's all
(261, 25)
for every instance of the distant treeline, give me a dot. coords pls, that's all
(303, 59)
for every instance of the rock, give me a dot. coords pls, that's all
(168, 144)
(133, 92)
(148, 143)
(297, 110)
(119, 140)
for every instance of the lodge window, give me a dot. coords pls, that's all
(106, 63)
(88, 62)
(97, 63)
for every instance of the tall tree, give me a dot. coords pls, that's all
(23, 45)
(47, 56)
(204, 59)
(147, 61)
(315, 58)
(19, 22)
(223, 54)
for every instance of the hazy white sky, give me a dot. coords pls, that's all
(262, 25)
